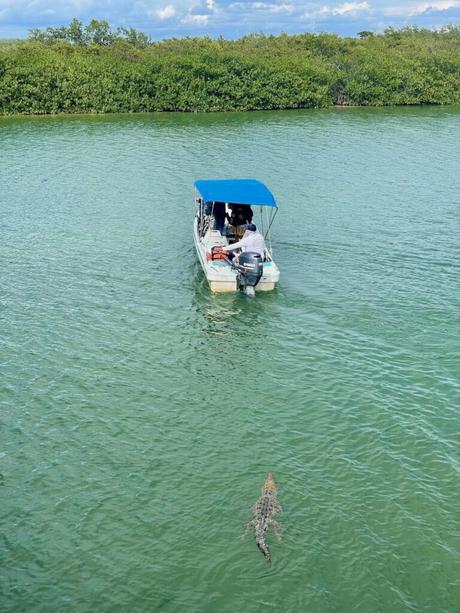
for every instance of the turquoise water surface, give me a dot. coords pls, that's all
(140, 414)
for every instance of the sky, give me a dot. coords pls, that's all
(229, 18)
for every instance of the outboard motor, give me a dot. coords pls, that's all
(249, 269)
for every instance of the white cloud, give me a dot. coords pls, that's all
(274, 8)
(350, 7)
(263, 6)
(198, 20)
(411, 10)
(345, 9)
(167, 12)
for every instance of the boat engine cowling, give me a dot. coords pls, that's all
(250, 268)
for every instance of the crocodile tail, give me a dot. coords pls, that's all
(264, 549)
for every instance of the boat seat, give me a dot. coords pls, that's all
(215, 238)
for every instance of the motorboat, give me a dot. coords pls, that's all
(226, 210)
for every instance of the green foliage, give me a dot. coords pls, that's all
(92, 69)
(99, 33)
(95, 33)
(75, 32)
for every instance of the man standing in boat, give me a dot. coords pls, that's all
(251, 241)
(240, 215)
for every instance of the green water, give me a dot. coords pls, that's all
(140, 413)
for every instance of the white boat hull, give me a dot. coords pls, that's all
(220, 275)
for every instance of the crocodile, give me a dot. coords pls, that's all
(263, 512)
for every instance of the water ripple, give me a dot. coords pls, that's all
(140, 413)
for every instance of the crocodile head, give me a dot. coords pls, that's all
(269, 485)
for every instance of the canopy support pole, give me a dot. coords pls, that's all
(267, 233)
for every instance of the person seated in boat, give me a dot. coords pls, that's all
(240, 215)
(251, 241)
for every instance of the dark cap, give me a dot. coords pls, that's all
(251, 227)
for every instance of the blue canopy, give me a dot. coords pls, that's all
(235, 191)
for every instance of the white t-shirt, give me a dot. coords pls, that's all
(251, 241)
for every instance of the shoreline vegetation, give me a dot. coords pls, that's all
(80, 69)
